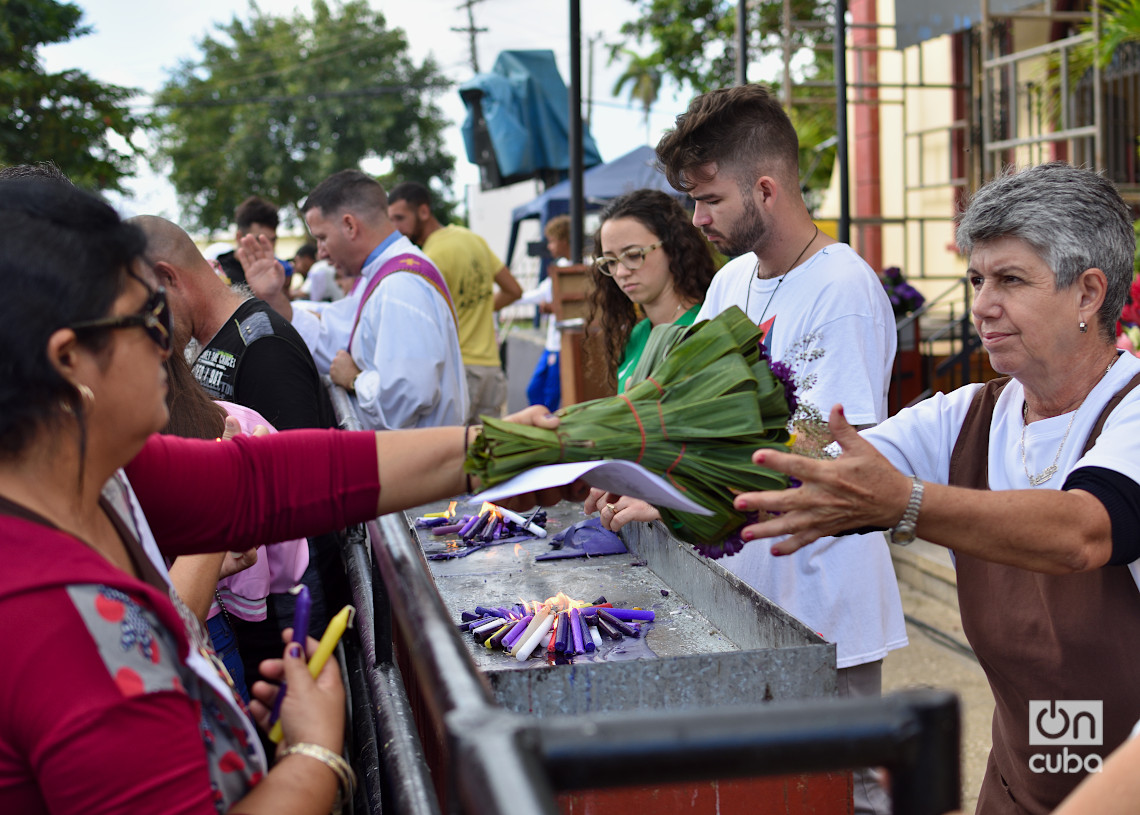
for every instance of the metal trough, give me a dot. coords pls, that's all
(715, 641)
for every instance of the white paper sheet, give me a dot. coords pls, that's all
(614, 475)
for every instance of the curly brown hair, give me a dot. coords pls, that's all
(743, 130)
(690, 263)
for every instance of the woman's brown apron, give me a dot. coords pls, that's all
(1044, 637)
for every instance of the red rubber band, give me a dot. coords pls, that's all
(637, 419)
(669, 469)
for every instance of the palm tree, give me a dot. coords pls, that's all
(643, 75)
(1119, 25)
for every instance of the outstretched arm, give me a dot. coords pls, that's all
(300, 483)
(1050, 531)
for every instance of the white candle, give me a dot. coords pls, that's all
(540, 616)
(538, 636)
(595, 636)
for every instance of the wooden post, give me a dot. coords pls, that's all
(582, 360)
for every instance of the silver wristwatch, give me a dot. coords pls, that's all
(904, 532)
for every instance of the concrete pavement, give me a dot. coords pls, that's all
(938, 656)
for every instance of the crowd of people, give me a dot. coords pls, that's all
(170, 465)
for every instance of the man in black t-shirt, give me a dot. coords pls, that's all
(253, 357)
(250, 354)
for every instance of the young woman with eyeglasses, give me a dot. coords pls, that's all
(111, 700)
(652, 268)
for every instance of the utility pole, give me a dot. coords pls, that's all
(470, 30)
(742, 42)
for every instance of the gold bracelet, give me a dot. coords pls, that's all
(344, 772)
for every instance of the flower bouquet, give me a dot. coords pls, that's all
(696, 420)
(904, 297)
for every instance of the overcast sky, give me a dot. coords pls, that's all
(138, 44)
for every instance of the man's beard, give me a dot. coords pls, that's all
(417, 233)
(747, 234)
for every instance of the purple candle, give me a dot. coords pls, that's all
(468, 616)
(517, 631)
(563, 636)
(448, 529)
(496, 639)
(628, 614)
(576, 631)
(463, 530)
(471, 626)
(476, 527)
(485, 631)
(604, 615)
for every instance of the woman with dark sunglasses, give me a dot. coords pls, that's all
(652, 269)
(111, 699)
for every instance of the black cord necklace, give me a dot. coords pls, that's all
(780, 282)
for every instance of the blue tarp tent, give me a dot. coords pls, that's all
(518, 120)
(633, 171)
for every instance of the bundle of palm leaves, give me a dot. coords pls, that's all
(695, 420)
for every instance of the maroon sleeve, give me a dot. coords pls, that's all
(73, 741)
(208, 495)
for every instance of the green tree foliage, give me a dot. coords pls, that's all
(693, 42)
(278, 103)
(65, 117)
(1119, 27)
(643, 76)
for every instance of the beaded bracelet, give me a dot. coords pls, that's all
(345, 775)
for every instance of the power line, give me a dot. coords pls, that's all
(376, 90)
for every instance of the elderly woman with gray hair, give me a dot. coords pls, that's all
(1031, 480)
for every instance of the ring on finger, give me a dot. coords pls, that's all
(611, 508)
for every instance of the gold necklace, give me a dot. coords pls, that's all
(780, 282)
(1043, 476)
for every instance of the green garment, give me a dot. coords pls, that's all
(658, 340)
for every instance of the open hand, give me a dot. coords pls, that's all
(860, 488)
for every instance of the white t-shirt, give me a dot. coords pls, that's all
(844, 588)
(920, 439)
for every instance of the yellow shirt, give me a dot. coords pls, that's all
(469, 267)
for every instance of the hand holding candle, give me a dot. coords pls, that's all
(328, 643)
(301, 612)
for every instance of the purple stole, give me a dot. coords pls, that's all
(406, 262)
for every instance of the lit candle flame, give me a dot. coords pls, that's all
(562, 602)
